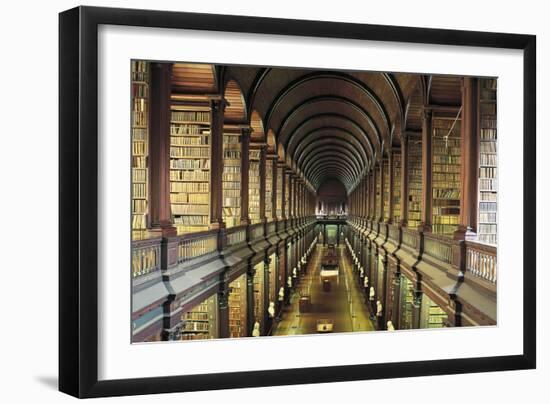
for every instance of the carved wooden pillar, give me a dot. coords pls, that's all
(367, 195)
(390, 185)
(159, 151)
(381, 179)
(281, 166)
(426, 219)
(273, 161)
(262, 164)
(373, 187)
(469, 159)
(404, 179)
(250, 320)
(223, 308)
(216, 192)
(245, 168)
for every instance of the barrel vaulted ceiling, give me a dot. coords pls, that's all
(330, 124)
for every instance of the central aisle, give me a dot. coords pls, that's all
(343, 305)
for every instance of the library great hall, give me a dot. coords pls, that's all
(244, 179)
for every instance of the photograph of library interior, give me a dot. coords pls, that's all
(275, 201)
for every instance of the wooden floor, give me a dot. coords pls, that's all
(343, 305)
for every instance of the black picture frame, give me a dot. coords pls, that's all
(78, 179)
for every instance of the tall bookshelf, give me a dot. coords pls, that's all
(190, 168)
(488, 185)
(272, 278)
(287, 195)
(415, 181)
(231, 179)
(431, 315)
(258, 282)
(446, 184)
(237, 307)
(140, 123)
(386, 167)
(396, 161)
(378, 194)
(269, 190)
(279, 196)
(254, 186)
(406, 304)
(201, 321)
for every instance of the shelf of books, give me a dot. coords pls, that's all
(269, 190)
(279, 195)
(415, 181)
(488, 186)
(259, 308)
(254, 186)
(237, 307)
(140, 121)
(386, 168)
(231, 179)
(431, 315)
(201, 321)
(396, 161)
(446, 184)
(287, 195)
(272, 278)
(406, 304)
(378, 193)
(190, 168)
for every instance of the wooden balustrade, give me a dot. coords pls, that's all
(197, 244)
(410, 238)
(256, 231)
(145, 256)
(236, 235)
(393, 232)
(439, 248)
(481, 261)
(271, 228)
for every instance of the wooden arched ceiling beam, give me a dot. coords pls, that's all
(334, 103)
(324, 135)
(312, 149)
(328, 158)
(235, 110)
(346, 154)
(330, 120)
(331, 169)
(339, 79)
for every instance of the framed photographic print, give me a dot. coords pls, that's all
(249, 201)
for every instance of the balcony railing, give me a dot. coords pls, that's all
(439, 248)
(410, 238)
(236, 235)
(271, 228)
(256, 231)
(481, 261)
(394, 232)
(196, 244)
(145, 256)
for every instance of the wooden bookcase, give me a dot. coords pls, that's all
(140, 140)
(279, 195)
(254, 186)
(259, 306)
(201, 321)
(272, 278)
(231, 179)
(406, 304)
(431, 315)
(488, 162)
(446, 183)
(386, 167)
(237, 307)
(378, 194)
(287, 196)
(396, 161)
(415, 181)
(269, 190)
(190, 168)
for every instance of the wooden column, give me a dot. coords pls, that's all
(404, 179)
(381, 179)
(391, 182)
(281, 165)
(223, 309)
(159, 151)
(373, 187)
(262, 163)
(367, 195)
(469, 159)
(250, 320)
(216, 163)
(245, 167)
(426, 218)
(273, 162)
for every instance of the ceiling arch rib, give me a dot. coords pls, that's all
(334, 148)
(319, 169)
(330, 120)
(329, 170)
(317, 165)
(321, 135)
